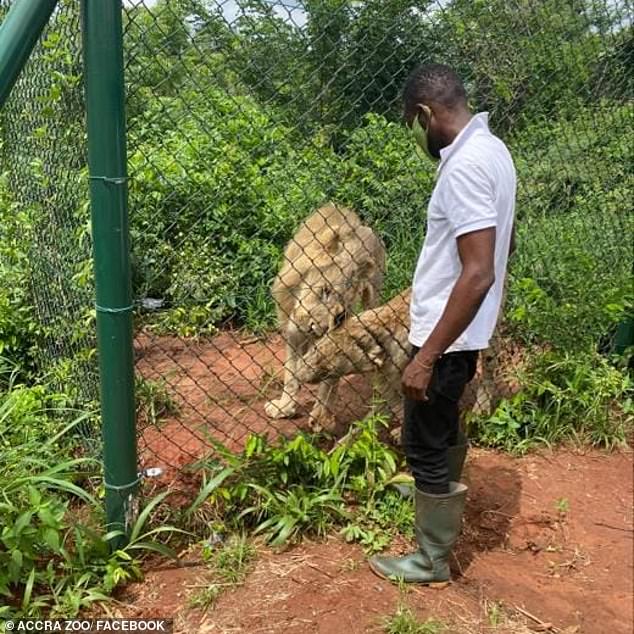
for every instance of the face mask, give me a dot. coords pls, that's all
(420, 136)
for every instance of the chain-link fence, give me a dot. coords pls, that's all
(44, 229)
(245, 119)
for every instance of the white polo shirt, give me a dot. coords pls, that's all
(475, 189)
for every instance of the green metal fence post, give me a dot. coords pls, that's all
(624, 337)
(18, 34)
(103, 61)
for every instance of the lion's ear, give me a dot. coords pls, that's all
(367, 269)
(333, 244)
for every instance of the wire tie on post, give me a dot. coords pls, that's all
(116, 180)
(123, 487)
(151, 472)
(115, 311)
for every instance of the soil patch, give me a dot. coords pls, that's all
(550, 534)
(219, 387)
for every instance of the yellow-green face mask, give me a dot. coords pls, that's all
(420, 136)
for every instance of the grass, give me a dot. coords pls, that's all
(229, 565)
(154, 401)
(55, 559)
(494, 612)
(580, 397)
(205, 597)
(233, 561)
(404, 621)
(294, 488)
(562, 505)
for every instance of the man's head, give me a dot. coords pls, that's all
(435, 106)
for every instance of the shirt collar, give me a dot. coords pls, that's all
(479, 121)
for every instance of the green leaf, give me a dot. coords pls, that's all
(17, 558)
(28, 590)
(22, 522)
(154, 547)
(34, 496)
(208, 488)
(138, 525)
(65, 486)
(51, 537)
(46, 517)
(288, 528)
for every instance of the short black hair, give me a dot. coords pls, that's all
(434, 82)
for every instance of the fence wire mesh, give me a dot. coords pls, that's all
(44, 232)
(245, 118)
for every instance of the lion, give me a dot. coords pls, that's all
(376, 342)
(332, 264)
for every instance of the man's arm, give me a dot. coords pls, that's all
(477, 254)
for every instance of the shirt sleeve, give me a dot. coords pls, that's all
(470, 200)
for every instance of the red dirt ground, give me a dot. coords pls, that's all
(220, 386)
(550, 535)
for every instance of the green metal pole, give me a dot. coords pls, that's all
(103, 63)
(19, 32)
(624, 337)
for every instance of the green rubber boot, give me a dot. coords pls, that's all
(456, 456)
(438, 522)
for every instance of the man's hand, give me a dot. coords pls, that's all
(416, 379)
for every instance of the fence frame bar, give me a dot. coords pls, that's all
(105, 110)
(19, 32)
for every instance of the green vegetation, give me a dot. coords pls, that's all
(236, 133)
(229, 565)
(571, 277)
(404, 621)
(19, 328)
(294, 487)
(580, 397)
(54, 556)
(153, 400)
(261, 188)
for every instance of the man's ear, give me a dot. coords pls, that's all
(424, 114)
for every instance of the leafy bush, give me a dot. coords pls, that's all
(384, 179)
(571, 275)
(215, 200)
(294, 487)
(54, 558)
(19, 328)
(580, 397)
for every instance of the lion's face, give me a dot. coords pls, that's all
(323, 301)
(319, 309)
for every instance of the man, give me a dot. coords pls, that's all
(456, 298)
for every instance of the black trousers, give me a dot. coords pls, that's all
(431, 427)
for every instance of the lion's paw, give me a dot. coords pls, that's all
(320, 418)
(376, 355)
(280, 408)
